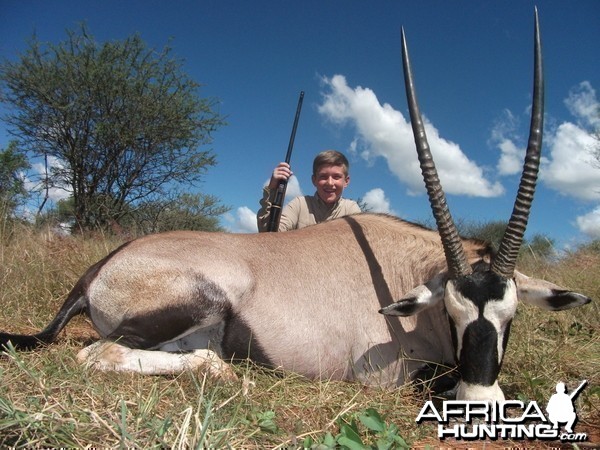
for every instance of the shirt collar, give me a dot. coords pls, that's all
(325, 205)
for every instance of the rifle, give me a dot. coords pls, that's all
(275, 213)
(576, 392)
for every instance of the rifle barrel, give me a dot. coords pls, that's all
(576, 392)
(276, 206)
(288, 155)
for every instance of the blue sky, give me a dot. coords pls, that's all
(472, 61)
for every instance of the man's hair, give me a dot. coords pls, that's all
(331, 158)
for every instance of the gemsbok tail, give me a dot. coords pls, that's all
(76, 303)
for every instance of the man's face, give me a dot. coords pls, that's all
(330, 182)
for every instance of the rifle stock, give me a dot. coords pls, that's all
(275, 212)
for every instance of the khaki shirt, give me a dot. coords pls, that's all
(303, 211)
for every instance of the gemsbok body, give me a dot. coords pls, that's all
(368, 297)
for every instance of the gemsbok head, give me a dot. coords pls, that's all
(480, 299)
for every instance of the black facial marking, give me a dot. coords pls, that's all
(482, 287)
(478, 360)
(565, 299)
(405, 307)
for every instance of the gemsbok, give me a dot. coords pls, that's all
(368, 297)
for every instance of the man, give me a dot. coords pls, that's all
(330, 177)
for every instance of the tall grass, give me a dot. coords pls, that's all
(48, 400)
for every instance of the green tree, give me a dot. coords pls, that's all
(182, 212)
(123, 121)
(60, 213)
(539, 245)
(487, 231)
(13, 163)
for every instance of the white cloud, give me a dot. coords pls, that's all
(589, 224)
(568, 164)
(384, 132)
(583, 104)
(244, 221)
(572, 169)
(377, 202)
(569, 168)
(504, 133)
(38, 174)
(511, 158)
(293, 189)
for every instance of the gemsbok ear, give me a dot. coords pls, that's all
(418, 299)
(547, 295)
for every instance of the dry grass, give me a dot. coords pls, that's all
(48, 400)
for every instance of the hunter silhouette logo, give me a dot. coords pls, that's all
(560, 407)
(509, 419)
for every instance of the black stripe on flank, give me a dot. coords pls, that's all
(205, 304)
(154, 328)
(239, 342)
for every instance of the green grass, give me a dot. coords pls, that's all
(48, 400)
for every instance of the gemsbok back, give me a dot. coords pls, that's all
(399, 296)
